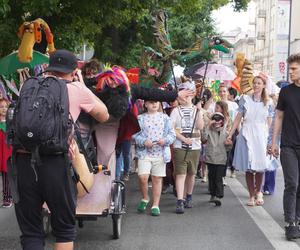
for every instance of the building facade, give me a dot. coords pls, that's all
(272, 37)
(295, 30)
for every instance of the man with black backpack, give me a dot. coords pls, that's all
(42, 137)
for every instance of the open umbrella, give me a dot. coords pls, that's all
(10, 63)
(190, 71)
(217, 72)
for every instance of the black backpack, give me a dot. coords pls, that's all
(41, 120)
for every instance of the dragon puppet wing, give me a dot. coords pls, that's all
(161, 32)
(162, 36)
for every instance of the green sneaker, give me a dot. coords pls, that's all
(142, 205)
(155, 211)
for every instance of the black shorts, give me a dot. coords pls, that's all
(55, 186)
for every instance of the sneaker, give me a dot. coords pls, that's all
(224, 182)
(292, 232)
(7, 204)
(155, 211)
(204, 180)
(188, 203)
(215, 200)
(142, 206)
(232, 175)
(126, 177)
(180, 207)
(266, 192)
(212, 198)
(218, 202)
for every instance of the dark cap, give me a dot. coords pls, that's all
(62, 61)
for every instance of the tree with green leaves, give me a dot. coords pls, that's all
(116, 29)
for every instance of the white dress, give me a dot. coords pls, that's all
(251, 145)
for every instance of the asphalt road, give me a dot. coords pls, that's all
(231, 226)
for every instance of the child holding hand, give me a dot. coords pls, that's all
(215, 135)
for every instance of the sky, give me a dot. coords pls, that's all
(226, 19)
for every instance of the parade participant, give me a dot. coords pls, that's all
(128, 126)
(232, 94)
(188, 122)
(207, 97)
(287, 120)
(90, 70)
(52, 181)
(232, 110)
(216, 151)
(153, 152)
(5, 153)
(232, 106)
(251, 145)
(270, 175)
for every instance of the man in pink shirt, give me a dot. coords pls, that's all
(55, 184)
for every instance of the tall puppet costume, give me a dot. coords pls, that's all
(113, 89)
(5, 153)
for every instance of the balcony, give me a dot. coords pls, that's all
(261, 36)
(262, 14)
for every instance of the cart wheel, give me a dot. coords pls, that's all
(117, 225)
(46, 221)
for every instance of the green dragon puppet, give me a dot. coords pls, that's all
(162, 58)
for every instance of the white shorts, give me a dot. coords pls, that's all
(152, 165)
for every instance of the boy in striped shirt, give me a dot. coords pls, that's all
(187, 120)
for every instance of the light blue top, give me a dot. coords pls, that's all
(168, 135)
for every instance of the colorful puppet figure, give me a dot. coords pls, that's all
(31, 33)
(243, 81)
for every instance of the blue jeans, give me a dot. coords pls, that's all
(269, 181)
(123, 157)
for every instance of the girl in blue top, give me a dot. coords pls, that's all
(153, 152)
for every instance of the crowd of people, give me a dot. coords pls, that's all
(175, 137)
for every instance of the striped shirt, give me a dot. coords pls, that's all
(183, 118)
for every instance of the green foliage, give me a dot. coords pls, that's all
(116, 29)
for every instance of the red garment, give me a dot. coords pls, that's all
(128, 125)
(5, 152)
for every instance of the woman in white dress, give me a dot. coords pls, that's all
(251, 146)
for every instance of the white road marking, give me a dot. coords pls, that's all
(271, 229)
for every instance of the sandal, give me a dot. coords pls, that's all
(251, 202)
(259, 199)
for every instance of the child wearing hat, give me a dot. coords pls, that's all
(187, 120)
(215, 135)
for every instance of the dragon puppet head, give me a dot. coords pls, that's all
(30, 33)
(202, 48)
(112, 77)
(220, 44)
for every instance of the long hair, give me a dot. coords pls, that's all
(264, 94)
(224, 107)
